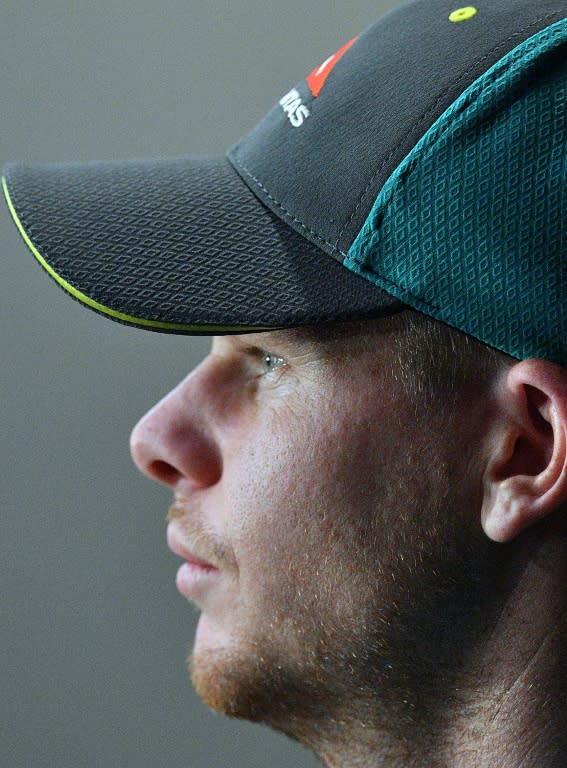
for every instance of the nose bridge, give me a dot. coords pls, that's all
(175, 441)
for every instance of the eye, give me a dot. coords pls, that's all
(271, 363)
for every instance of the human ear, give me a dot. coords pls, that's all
(526, 473)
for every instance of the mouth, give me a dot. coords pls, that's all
(190, 557)
(196, 575)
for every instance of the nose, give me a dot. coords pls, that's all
(174, 442)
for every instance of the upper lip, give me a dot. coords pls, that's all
(187, 554)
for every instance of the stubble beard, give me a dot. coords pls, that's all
(388, 664)
(290, 686)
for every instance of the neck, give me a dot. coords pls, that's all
(507, 704)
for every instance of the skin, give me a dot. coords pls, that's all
(334, 544)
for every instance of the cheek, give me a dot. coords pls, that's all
(302, 494)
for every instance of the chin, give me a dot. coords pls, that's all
(245, 677)
(232, 683)
(221, 669)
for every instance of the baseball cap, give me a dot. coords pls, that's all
(422, 165)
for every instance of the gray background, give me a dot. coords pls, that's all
(93, 633)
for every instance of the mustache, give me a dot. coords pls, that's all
(175, 512)
(199, 540)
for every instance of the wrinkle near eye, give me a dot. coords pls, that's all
(270, 355)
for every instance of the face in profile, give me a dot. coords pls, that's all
(312, 510)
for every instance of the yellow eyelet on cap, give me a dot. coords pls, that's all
(463, 14)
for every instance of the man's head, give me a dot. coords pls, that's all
(384, 406)
(328, 492)
(309, 473)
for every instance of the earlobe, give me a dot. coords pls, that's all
(526, 472)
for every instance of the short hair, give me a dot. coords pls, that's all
(435, 363)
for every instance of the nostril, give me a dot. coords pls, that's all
(171, 444)
(164, 472)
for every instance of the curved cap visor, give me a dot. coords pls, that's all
(179, 245)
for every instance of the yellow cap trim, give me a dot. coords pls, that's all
(121, 316)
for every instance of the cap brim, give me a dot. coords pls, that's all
(179, 245)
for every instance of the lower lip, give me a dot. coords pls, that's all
(193, 578)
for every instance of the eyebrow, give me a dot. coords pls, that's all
(304, 338)
(326, 332)
(291, 338)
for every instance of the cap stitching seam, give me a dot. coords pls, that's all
(418, 300)
(288, 214)
(431, 108)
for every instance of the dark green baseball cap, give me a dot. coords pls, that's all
(422, 165)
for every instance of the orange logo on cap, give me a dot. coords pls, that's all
(316, 80)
